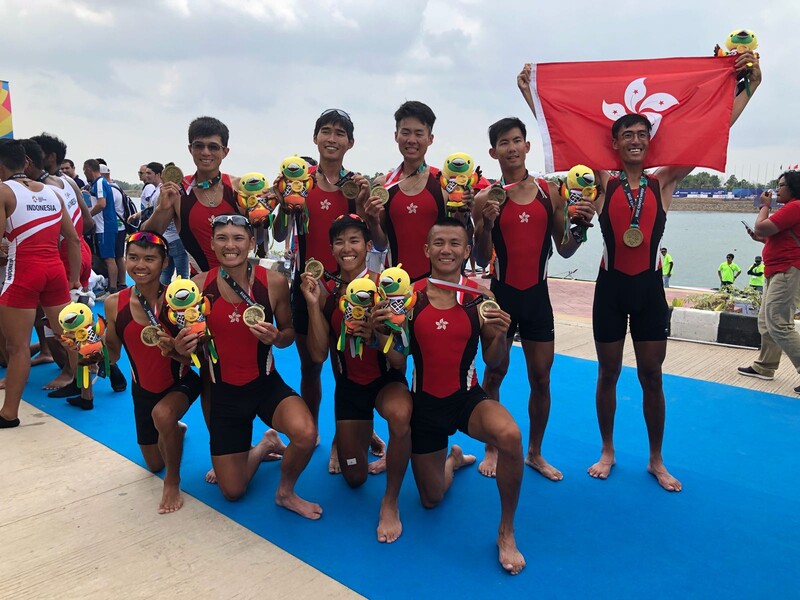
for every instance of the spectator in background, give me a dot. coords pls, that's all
(781, 236)
(68, 168)
(728, 272)
(756, 272)
(666, 266)
(143, 175)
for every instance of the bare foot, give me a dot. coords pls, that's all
(58, 382)
(171, 499)
(377, 466)
(488, 466)
(389, 525)
(211, 476)
(3, 383)
(377, 447)
(665, 480)
(41, 359)
(511, 559)
(602, 468)
(295, 503)
(333, 462)
(459, 458)
(538, 463)
(274, 446)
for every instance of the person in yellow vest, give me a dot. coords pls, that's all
(728, 272)
(666, 266)
(756, 272)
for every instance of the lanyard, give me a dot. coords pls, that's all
(458, 287)
(236, 287)
(204, 185)
(390, 181)
(18, 176)
(339, 281)
(146, 305)
(636, 205)
(511, 185)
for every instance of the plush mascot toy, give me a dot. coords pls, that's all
(580, 185)
(395, 285)
(82, 332)
(458, 175)
(188, 310)
(254, 198)
(359, 298)
(737, 42)
(294, 183)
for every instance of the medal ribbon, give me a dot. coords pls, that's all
(332, 277)
(18, 176)
(511, 185)
(237, 288)
(636, 205)
(204, 185)
(146, 305)
(390, 181)
(459, 287)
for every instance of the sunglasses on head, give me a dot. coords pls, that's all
(237, 220)
(350, 216)
(147, 236)
(338, 111)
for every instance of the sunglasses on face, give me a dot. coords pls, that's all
(200, 147)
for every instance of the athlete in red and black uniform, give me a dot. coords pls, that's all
(447, 397)
(163, 387)
(520, 231)
(363, 383)
(333, 135)
(416, 199)
(628, 285)
(202, 196)
(246, 383)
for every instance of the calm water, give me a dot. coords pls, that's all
(697, 242)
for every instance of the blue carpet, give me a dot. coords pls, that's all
(733, 532)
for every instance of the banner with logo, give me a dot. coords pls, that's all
(688, 101)
(6, 129)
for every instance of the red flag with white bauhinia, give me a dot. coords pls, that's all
(688, 101)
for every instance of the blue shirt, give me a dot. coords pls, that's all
(106, 220)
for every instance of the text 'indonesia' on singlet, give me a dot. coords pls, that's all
(196, 220)
(615, 219)
(522, 241)
(34, 227)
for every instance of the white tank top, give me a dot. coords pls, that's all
(33, 229)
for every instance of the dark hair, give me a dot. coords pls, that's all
(101, 161)
(92, 164)
(312, 162)
(155, 167)
(664, 248)
(12, 154)
(335, 116)
(206, 127)
(34, 152)
(504, 125)
(630, 120)
(450, 222)
(730, 256)
(51, 145)
(792, 179)
(67, 160)
(147, 245)
(346, 222)
(416, 110)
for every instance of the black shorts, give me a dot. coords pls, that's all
(641, 297)
(299, 307)
(530, 309)
(144, 402)
(433, 419)
(233, 408)
(356, 402)
(119, 245)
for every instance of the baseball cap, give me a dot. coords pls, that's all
(104, 169)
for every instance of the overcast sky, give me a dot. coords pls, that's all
(123, 79)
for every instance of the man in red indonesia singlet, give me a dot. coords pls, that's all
(632, 213)
(163, 387)
(416, 199)
(246, 383)
(520, 230)
(447, 397)
(333, 136)
(32, 217)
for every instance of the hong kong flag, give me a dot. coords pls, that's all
(688, 101)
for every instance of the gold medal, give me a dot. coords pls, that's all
(589, 192)
(633, 237)
(253, 315)
(350, 189)
(357, 312)
(172, 173)
(381, 192)
(297, 186)
(486, 305)
(149, 335)
(191, 314)
(315, 268)
(81, 335)
(461, 179)
(497, 193)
